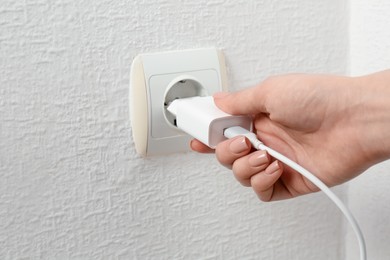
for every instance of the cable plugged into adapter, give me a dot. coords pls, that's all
(202, 119)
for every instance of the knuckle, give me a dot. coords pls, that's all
(258, 186)
(238, 172)
(261, 190)
(222, 154)
(264, 198)
(244, 182)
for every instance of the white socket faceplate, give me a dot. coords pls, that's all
(151, 77)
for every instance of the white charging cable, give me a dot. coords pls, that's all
(202, 119)
(257, 144)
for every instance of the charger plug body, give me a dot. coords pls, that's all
(203, 120)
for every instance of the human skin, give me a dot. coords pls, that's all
(334, 126)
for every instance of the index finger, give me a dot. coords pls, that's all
(230, 150)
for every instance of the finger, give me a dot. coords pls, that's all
(263, 182)
(199, 147)
(230, 150)
(245, 102)
(245, 167)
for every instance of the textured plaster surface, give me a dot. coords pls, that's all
(369, 194)
(72, 185)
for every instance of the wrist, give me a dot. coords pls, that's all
(373, 114)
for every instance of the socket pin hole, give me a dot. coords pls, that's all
(167, 104)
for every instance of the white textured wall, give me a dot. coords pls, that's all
(369, 195)
(71, 184)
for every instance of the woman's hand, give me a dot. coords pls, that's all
(336, 127)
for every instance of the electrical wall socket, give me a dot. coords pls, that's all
(158, 78)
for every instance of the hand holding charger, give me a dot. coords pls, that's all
(203, 120)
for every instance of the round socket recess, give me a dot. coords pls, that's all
(182, 87)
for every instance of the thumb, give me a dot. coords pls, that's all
(249, 101)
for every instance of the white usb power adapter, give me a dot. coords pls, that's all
(202, 119)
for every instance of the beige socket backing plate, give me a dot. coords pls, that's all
(151, 77)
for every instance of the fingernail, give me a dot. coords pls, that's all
(238, 145)
(220, 94)
(272, 168)
(258, 158)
